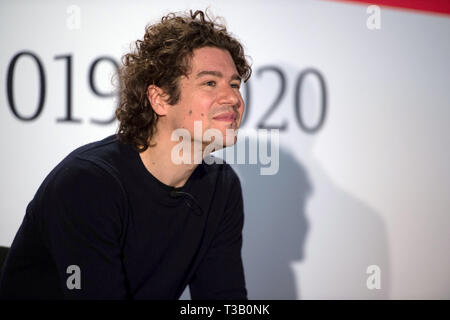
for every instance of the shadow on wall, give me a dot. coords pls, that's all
(275, 228)
(348, 236)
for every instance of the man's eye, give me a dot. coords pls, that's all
(235, 85)
(210, 83)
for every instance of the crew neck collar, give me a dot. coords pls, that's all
(162, 190)
(201, 184)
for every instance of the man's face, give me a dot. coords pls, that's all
(210, 94)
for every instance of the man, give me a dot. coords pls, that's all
(121, 218)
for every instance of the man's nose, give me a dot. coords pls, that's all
(229, 96)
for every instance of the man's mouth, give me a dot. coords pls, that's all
(229, 116)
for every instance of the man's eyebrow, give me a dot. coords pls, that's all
(216, 74)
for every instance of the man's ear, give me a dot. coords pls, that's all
(156, 96)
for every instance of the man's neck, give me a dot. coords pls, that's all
(158, 161)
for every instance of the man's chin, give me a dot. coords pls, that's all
(230, 141)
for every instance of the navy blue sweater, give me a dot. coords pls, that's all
(130, 235)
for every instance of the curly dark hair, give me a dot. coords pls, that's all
(161, 58)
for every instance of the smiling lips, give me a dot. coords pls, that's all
(229, 116)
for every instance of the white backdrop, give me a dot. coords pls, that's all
(368, 187)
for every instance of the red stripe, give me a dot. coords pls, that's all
(433, 6)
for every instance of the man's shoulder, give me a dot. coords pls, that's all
(107, 154)
(107, 150)
(78, 171)
(89, 166)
